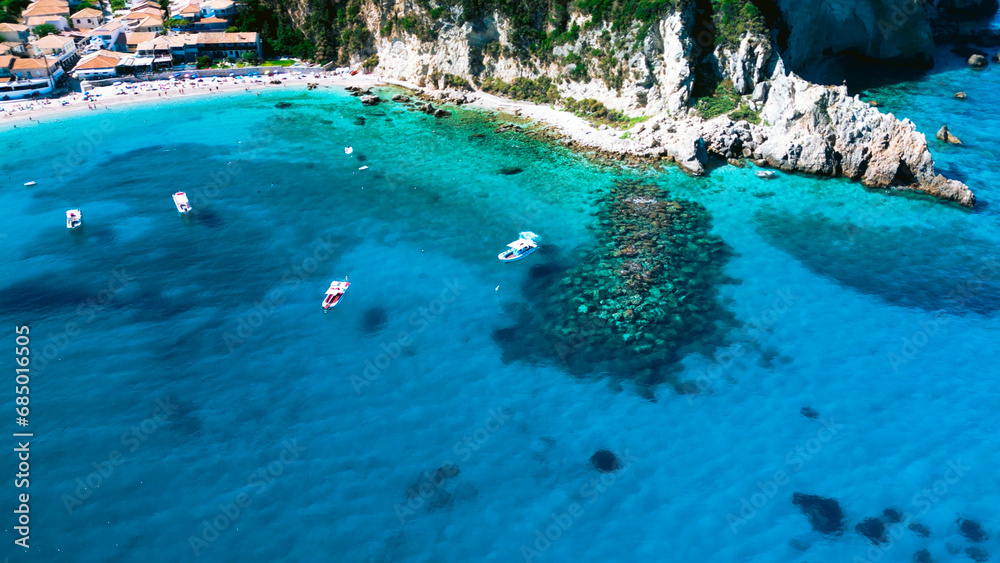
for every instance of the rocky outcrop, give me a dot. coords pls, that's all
(803, 127)
(749, 65)
(978, 61)
(823, 130)
(945, 135)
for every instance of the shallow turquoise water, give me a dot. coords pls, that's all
(877, 311)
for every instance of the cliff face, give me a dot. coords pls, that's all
(895, 30)
(656, 76)
(964, 9)
(658, 69)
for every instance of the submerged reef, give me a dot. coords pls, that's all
(648, 288)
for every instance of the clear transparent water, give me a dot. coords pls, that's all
(320, 423)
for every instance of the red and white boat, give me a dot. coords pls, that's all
(336, 291)
(74, 218)
(181, 201)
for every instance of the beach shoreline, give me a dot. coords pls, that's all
(18, 114)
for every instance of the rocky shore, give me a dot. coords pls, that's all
(785, 122)
(804, 128)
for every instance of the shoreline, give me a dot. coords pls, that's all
(139, 93)
(573, 127)
(687, 142)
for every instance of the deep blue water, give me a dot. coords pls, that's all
(287, 434)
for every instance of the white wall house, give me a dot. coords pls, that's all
(57, 46)
(87, 18)
(224, 9)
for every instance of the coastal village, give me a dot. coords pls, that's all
(60, 44)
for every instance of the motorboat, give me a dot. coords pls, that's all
(766, 174)
(523, 246)
(31, 183)
(363, 168)
(74, 219)
(336, 291)
(348, 150)
(181, 201)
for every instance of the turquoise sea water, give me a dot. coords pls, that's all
(190, 400)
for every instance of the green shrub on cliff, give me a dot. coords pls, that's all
(744, 113)
(733, 18)
(723, 101)
(598, 114)
(622, 15)
(540, 90)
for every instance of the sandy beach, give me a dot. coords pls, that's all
(32, 112)
(106, 97)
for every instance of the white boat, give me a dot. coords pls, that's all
(336, 291)
(181, 201)
(31, 183)
(765, 174)
(348, 150)
(523, 246)
(74, 218)
(363, 168)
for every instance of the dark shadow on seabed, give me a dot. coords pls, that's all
(906, 266)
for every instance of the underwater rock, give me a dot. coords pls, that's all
(972, 530)
(809, 412)
(978, 61)
(283, 105)
(476, 136)
(400, 98)
(648, 288)
(922, 556)
(892, 516)
(977, 554)
(432, 481)
(605, 461)
(507, 127)
(824, 514)
(736, 162)
(442, 113)
(359, 120)
(873, 529)
(944, 135)
(374, 321)
(511, 171)
(920, 529)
